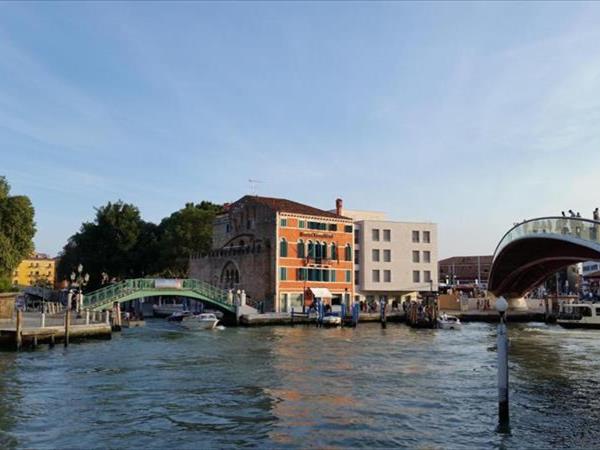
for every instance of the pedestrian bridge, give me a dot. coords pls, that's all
(533, 250)
(134, 289)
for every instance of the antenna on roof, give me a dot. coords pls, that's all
(253, 186)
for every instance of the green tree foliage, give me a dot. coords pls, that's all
(184, 233)
(17, 229)
(122, 245)
(109, 244)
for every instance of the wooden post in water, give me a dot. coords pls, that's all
(292, 317)
(87, 316)
(382, 305)
(67, 325)
(19, 330)
(502, 346)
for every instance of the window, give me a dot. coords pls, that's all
(348, 276)
(333, 251)
(416, 258)
(283, 248)
(311, 249)
(302, 274)
(375, 276)
(415, 236)
(348, 229)
(300, 248)
(332, 275)
(227, 227)
(416, 276)
(375, 255)
(356, 277)
(283, 302)
(356, 256)
(427, 276)
(356, 237)
(301, 224)
(324, 250)
(387, 256)
(325, 275)
(282, 273)
(427, 256)
(375, 234)
(426, 237)
(332, 227)
(387, 235)
(283, 222)
(318, 253)
(348, 253)
(387, 276)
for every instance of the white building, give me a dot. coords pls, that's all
(393, 260)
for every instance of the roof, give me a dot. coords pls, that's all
(289, 206)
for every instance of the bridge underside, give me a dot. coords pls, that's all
(167, 293)
(525, 263)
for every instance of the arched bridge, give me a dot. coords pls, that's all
(535, 249)
(133, 289)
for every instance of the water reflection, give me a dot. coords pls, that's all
(162, 387)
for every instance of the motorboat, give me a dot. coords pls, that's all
(579, 315)
(204, 321)
(448, 322)
(178, 316)
(332, 320)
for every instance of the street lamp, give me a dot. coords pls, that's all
(502, 346)
(78, 280)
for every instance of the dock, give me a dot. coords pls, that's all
(30, 329)
(269, 319)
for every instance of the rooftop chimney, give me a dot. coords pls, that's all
(338, 206)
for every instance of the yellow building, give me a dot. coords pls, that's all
(38, 267)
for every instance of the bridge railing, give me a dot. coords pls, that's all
(577, 227)
(126, 287)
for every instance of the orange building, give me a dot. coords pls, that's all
(284, 254)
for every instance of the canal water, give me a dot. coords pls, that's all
(162, 387)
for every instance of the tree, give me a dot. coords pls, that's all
(184, 233)
(109, 244)
(17, 229)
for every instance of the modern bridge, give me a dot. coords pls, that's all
(533, 250)
(134, 289)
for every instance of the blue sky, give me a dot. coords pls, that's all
(470, 115)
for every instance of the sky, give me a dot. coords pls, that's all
(470, 115)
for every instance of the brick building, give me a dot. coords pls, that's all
(465, 270)
(280, 252)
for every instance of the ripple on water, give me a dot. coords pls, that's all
(164, 387)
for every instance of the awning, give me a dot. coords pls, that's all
(320, 292)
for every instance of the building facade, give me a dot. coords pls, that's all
(465, 270)
(36, 268)
(393, 260)
(281, 253)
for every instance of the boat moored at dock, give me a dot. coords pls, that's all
(579, 315)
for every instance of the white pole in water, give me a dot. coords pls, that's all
(502, 345)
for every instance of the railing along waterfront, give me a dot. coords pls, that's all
(113, 293)
(576, 227)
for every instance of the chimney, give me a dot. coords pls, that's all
(338, 206)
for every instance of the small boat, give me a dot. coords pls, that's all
(178, 316)
(204, 321)
(448, 322)
(579, 315)
(332, 320)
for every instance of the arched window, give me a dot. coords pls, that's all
(324, 250)
(333, 251)
(318, 253)
(300, 248)
(348, 253)
(283, 248)
(311, 249)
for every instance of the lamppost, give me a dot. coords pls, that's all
(78, 280)
(502, 346)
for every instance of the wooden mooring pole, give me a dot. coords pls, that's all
(19, 330)
(67, 325)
